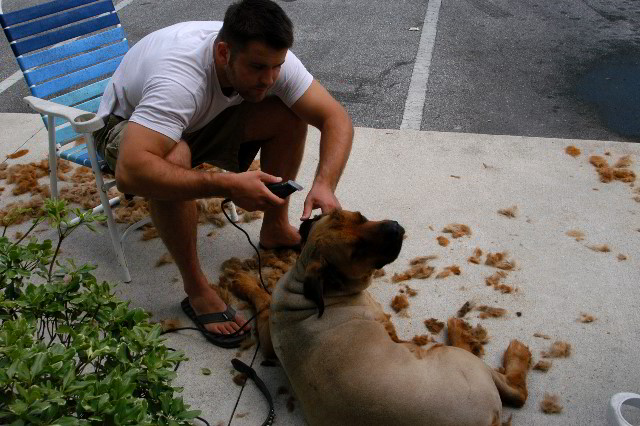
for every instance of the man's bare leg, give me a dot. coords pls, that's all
(284, 134)
(177, 222)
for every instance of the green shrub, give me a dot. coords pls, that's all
(70, 351)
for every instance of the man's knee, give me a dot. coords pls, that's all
(180, 155)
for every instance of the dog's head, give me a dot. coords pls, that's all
(342, 249)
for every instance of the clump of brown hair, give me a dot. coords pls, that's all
(400, 302)
(586, 318)
(551, 404)
(574, 233)
(464, 335)
(421, 340)
(170, 324)
(410, 291)
(602, 248)
(490, 312)
(476, 258)
(164, 259)
(21, 211)
(251, 216)
(494, 281)
(572, 151)
(542, 336)
(510, 212)
(17, 154)
(618, 172)
(457, 230)
(559, 349)
(465, 309)
(443, 241)
(419, 269)
(624, 161)
(240, 379)
(421, 260)
(449, 270)
(433, 325)
(149, 233)
(498, 260)
(542, 365)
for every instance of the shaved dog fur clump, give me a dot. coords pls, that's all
(457, 230)
(559, 349)
(551, 404)
(433, 325)
(572, 151)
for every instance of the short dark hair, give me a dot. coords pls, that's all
(256, 20)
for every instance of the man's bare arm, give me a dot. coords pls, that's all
(318, 108)
(142, 169)
(321, 110)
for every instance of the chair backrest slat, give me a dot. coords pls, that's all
(35, 12)
(77, 62)
(69, 49)
(84, 93)
(67, 33)
(60, 20)
(65, 135)
(75, 78)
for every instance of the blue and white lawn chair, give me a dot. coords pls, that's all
(67, 51)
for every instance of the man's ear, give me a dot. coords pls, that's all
(305, 227)
(313, 286)
(223, 52)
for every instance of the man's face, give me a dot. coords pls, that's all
(254, 70)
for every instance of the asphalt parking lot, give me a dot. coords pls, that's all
(547, 69)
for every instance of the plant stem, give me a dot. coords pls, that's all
(35, 223)
(55, 254)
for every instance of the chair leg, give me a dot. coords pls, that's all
(104, 200)
(53, 157)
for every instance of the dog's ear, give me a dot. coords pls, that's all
(313, 286)
(305, 227)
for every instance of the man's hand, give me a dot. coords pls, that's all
(321, 196)
(248, 190)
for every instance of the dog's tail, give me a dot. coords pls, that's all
(247, 287)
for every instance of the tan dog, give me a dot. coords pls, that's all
(340, 352)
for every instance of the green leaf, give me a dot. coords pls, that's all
(66, 421)
(19, 407)
(68, 378)
(205, 371)
(38, 364)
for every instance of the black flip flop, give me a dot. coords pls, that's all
(222, 340)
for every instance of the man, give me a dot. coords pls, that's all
(176, 101)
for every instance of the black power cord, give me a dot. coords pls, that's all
(226, 201)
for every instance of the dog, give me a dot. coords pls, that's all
(341, 353)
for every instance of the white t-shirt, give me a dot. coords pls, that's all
(167, 81)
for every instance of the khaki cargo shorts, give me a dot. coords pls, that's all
(219, 143)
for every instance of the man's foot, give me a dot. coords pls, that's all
(279, 237)
(209, 302)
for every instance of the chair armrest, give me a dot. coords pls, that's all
(81, 121)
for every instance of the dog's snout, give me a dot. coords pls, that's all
(392, 228)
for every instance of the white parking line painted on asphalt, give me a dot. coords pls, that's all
(17, 76)
(413, 106)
